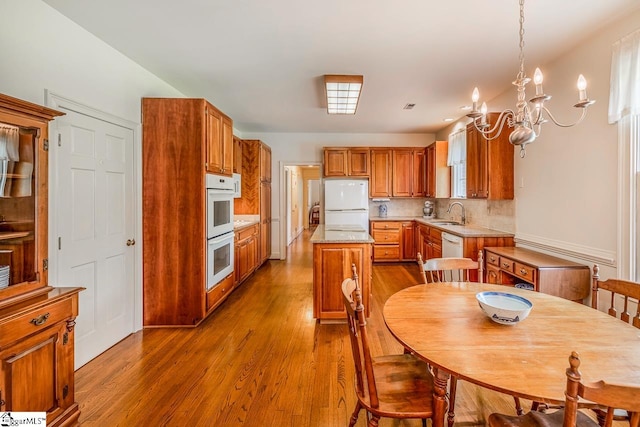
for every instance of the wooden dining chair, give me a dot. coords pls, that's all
(450, 269)
(620, 294)
(609, 396)
(437, 270)
(394, 386)
(622, 291)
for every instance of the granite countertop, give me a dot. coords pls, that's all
(339, 234)
(468, 230)
(243, 223)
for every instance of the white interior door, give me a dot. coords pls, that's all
(95, 219)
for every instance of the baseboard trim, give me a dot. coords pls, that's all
(585, 253)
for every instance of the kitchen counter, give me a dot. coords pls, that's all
(244, 223)
(468, 230)
(339, 234)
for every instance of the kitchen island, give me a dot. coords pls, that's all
(335, 248)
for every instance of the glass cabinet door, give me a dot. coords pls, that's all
(18, 204)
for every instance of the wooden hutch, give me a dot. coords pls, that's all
(36, 320)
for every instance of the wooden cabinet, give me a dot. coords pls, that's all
(394, 241)
(344, 161)
(380, 179)
(219, 141)
(256, 191)
(387, 236)
(408, 239)
(36, 321)
(176, 154)
(547, 274)
(335, 162)
(358, 161)
(237, 155)
(490, 168)
(438, 175)
(331, 265)
(409, 175)
(429, 242)
(246, 252)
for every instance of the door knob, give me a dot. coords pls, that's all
(131, 242)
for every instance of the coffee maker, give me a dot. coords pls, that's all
(428, 210)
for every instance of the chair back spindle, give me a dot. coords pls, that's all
(627, 292)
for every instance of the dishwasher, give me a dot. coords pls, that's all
(451, 246)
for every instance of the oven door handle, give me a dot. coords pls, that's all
(224, 239)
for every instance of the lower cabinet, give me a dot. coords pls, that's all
(331, 265)
(246, 252)
(394, 241)
(37, 357)
(429, 242)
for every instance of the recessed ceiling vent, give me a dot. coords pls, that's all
(409, 107)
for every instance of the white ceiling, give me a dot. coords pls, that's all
(262, 61)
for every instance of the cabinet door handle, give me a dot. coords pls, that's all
(523, 271)
(131, 242)
(40, 320)
(505, 264)
(492, 258)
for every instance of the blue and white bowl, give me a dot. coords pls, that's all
(504, 308)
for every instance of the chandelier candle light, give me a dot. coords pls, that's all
(527, 121)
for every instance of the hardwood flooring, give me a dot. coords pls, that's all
(260, 359)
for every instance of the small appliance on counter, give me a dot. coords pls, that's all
(428, 210)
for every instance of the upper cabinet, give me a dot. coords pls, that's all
(438, 173)
(489, 164)
(237, 155)
(409, 176)
(219, 141)
(380, 179)
(346, 162)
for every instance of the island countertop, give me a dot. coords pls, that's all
(339, 234)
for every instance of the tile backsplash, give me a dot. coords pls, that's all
(494, 214)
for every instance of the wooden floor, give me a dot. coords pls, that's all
(259, 360)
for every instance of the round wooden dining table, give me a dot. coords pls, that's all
(443, 324)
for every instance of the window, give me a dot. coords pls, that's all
(457, 159)
(624, 109)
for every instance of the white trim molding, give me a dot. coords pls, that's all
(565, 249)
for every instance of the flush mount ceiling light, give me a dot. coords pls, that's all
(526, 120)
(343, 93)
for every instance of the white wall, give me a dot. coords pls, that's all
(306, 148)
(569, 197)
(42, 49)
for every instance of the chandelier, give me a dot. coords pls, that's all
(526, 120)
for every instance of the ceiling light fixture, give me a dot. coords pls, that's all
(526, 120)
(343, 93)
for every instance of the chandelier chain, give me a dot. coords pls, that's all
(521, 57)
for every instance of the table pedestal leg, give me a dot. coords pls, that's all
(440, 381)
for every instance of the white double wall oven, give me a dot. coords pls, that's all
(220, 236)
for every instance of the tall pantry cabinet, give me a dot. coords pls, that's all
(182, 140)
(256, 191)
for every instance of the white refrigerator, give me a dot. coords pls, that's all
(346, 204)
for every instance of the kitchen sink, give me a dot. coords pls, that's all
(445, 222)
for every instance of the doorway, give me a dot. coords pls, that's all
(295, 200)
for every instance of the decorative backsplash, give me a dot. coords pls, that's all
(494, 214)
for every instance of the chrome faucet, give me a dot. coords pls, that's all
(463, 219)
